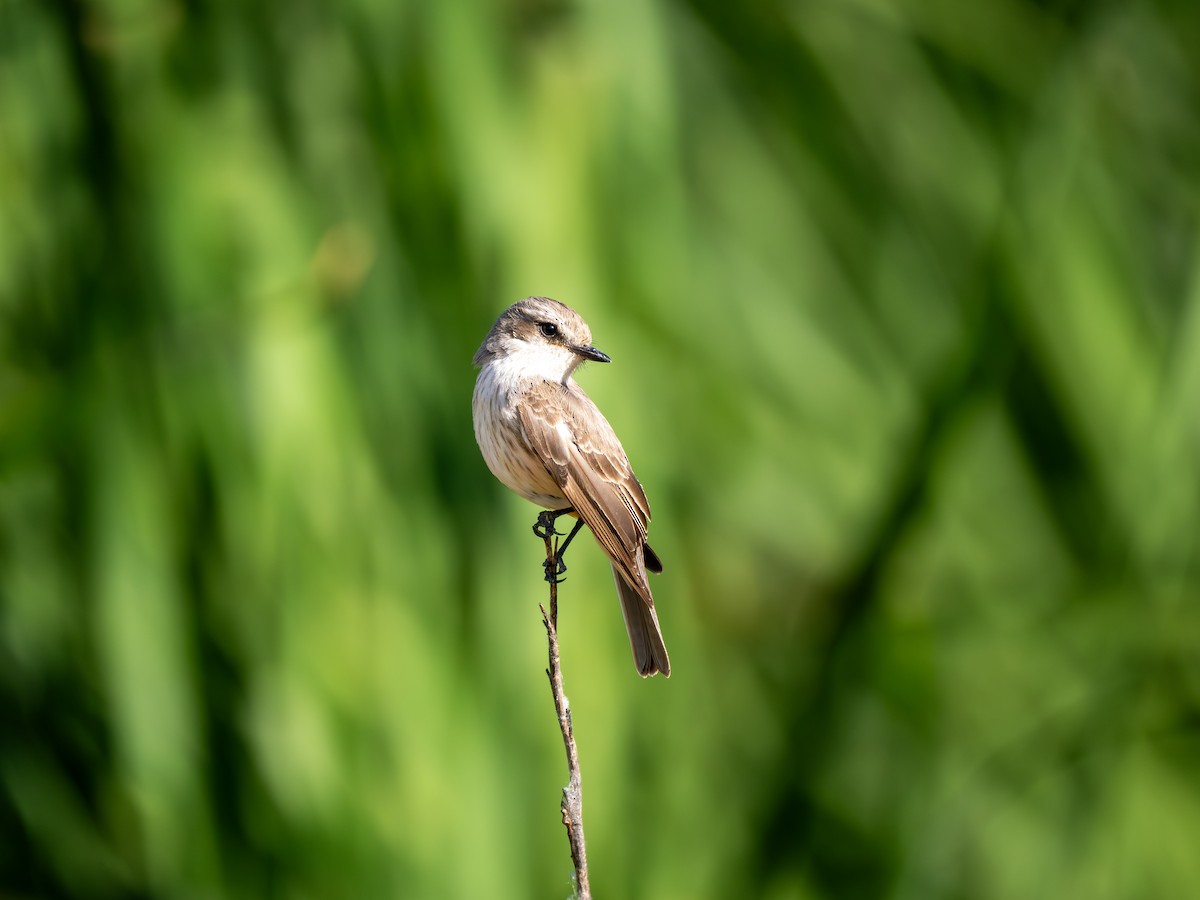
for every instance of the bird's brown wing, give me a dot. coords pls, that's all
(582, 454)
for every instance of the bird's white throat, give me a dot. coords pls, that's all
(526, 363)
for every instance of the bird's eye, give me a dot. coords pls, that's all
(549, 329)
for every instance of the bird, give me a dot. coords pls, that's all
(545, 439)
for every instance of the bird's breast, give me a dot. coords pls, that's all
(502, 440)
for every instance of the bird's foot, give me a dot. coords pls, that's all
(554, 568)
(544, 526)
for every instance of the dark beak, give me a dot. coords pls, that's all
(592, 353)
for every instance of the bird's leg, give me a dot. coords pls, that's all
(560, 567)
(562, 548)
(544, 529)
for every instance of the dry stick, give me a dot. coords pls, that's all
(572, 799)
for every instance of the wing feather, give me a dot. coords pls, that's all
(583, 455)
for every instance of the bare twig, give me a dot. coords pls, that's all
(572, 799)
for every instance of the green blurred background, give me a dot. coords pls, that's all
(904, 303)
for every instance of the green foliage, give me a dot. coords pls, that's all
(904, 303)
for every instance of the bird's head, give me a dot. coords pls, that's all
(541, 336)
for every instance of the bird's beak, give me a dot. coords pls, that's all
(592, 353)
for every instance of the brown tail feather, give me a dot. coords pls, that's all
(645, 637)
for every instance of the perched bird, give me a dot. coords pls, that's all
(544, 438)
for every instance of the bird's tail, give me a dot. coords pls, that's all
(645, 637)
